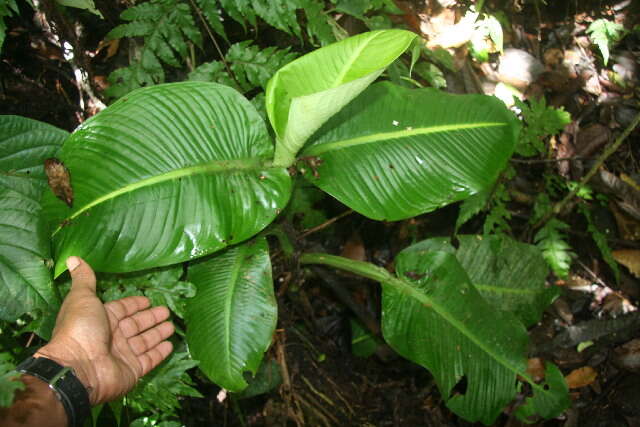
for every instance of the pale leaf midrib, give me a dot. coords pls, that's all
(410, 290)
(499, 289)
(320, 149)
(227, 166)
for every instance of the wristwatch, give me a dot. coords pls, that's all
(63, 381)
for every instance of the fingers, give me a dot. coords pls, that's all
(143, 320)
(151, 338)
(126, 307)
(82, 276)
(153, 357)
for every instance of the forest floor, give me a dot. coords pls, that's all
(323, 382)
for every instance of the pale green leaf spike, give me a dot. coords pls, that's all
(305, 93)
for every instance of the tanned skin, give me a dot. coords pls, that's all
(109, 346)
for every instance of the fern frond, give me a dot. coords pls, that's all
(254, 67)
(556, 251)
(210, 11)
(240, 11)
(166, 26)
(251, 66)
(496, 220)
(601, 241)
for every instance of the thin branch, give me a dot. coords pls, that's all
(561, 159)
(325, 224)
(215, 42)
(608, 151)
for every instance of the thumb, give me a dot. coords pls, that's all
(82, 276)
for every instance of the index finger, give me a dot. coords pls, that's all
(127, 306)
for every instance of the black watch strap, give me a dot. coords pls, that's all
(62, 380)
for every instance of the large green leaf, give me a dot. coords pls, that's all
(25, 281)
(433, 315)
(303, 94)
(510, 275)
(233, 315)
(395, 153)
(166, 174)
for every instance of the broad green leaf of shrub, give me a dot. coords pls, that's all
(302, 95)
(394, 153)
(434, 316)
(25, 281)
(546, 405)
(166, 174)
(233, 316)
(510, 275)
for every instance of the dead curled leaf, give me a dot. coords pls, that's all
(581, 377)
(59, 180)
(630, 258)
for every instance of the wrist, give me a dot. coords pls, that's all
(81, 366)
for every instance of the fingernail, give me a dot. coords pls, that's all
(73, 262)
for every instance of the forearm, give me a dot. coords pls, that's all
(37, 405)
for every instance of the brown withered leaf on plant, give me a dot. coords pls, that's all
(59, 180)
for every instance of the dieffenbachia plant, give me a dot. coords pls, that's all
(175, 172)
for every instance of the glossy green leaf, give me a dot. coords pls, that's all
(303, 94)
(233, 315)
(438, 319)
(394, 153)
(510, 275)
(166, 174)
(25, 281)
(434, 316)
(547, 405)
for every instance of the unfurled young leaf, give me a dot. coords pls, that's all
(59, 180)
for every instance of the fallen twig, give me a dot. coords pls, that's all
(324, 224)
(608, 151)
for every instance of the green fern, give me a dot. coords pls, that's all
(552, 242)
(252, 67)
(8, 382)
(497, 219)
(166, 27)
(541, 121)
(605, 34)
(601, 241)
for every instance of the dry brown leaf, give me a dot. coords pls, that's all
(630, 258)
(627, 356)
(535, 369)
(581, 377)
(354, 248)
(628, 227)
(59, 180)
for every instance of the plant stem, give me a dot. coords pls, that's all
(360, 268)
(608, 151)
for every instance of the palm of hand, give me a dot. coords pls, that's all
(110, 346)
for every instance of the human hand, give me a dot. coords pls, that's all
(109, 346)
